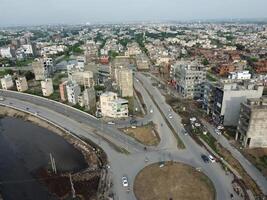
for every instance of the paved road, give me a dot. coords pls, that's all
(121, 164)
(250, 168)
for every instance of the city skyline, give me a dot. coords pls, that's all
(29, 12)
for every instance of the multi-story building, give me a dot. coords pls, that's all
(43, 68)
(222, 101)
(142, 62)
(63, 91)
(7, 82)
(47, 87)
(252, 124)
(6, 52)
(21, 84)
(85, 78)
(189, 77)
(112, 106)
(225, 69)
(242, 75)
(125, 82)
(260, 66)
(73, 91)
(89, 97)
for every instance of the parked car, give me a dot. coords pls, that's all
(217, 131)
(205, 158)
(212, 159)
(220, 127)
(125, 181)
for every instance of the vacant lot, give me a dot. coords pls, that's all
(258, 157)
(174, 181)
(147, 134)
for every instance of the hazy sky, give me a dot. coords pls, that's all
(17, 12)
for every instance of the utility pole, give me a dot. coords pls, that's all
(72, 188)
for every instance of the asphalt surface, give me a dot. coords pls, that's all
(106, 137)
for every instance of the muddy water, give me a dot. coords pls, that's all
(25, 148)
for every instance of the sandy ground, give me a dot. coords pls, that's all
(174, 181)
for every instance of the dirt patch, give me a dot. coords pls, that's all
(258, 157)
(147, 134)
(173, 181)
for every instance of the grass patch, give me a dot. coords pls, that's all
(146, 135)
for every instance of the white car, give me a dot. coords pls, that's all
(170, 116)
(151, 111)
(125, 181)
(212, 159)
(111, 123)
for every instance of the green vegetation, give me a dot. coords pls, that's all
(210, 140)
(29, 75)
(139, 38)
(124, 41)
(99, 88)
(205, 62)
(263, 160)
(112, 54)
(24, 62)
(252, 59)
(74, 49)
(130, 104)
(211, 78)
(57, 78)
(6, 71)
(4, 42)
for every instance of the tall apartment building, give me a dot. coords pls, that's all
(142, 62)
(47, 87)
(21, 84)
(189, 77)
(112, 106)
(7, 82)
(7, 52)
(89, 97)
(252, 124)
(125, 81)
(43, 68)
(85, 78)
(222, 101)
(73, 91)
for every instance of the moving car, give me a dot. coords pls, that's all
(111, 123)
(205, 158)
(125, 181)
(212, 159)
(170, 116)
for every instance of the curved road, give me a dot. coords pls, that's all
(106, 137)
